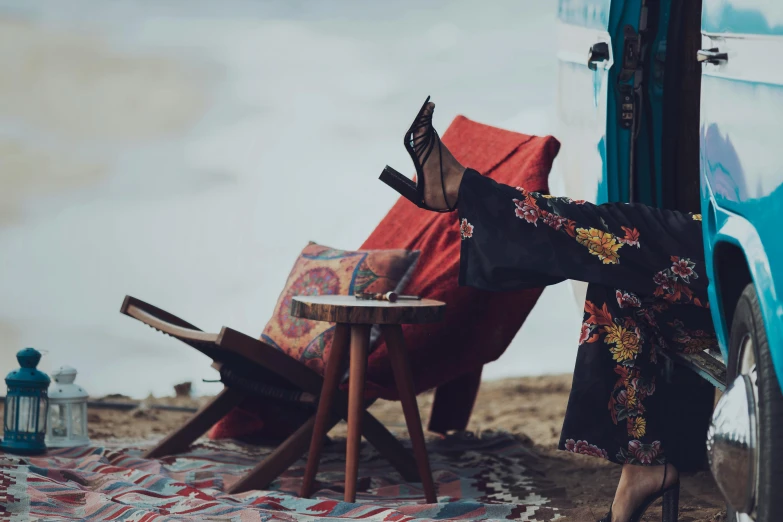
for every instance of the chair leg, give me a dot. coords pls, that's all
(395, 342)
(204, 419)
(454, 402)
(323, 418)
(382, 439)
(279, 460)
(389, 447)
(360, 341)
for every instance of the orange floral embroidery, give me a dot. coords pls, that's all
(629, 392)
(631, 237)
(626, 342)
(672, 283)
(693, 341)
(527, 209)
(637, 427)
(627, 299)
(598, 316)
(586, 334)
(600, 243)
(465, 229)
(570, 228)
(631, 399)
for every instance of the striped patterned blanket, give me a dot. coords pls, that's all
(492, 477)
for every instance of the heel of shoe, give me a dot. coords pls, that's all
(671, 505)
(405, 186)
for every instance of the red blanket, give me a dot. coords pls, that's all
(479, 325)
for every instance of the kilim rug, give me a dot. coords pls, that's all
(486, 478)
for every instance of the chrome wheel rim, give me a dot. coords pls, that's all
(746, 365)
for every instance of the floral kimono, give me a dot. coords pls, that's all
(647, 292)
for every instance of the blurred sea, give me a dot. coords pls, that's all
(185, 151)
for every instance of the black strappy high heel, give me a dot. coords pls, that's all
(419, 148)
(671, 503)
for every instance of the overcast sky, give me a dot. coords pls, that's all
(142, 141)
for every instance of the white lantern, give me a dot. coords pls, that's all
(67, 424)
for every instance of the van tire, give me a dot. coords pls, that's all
(748, 321)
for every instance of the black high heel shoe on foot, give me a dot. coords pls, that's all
(419, 148)
(671, 503)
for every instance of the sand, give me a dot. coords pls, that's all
(79, 85)
(68, 91)
(531, 408)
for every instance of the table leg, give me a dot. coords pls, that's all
(395, 343)
(334, 369)
(360, 342)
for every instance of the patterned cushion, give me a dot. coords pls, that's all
(321, 270)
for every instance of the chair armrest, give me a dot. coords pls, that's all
(230, 347)
(168, 328)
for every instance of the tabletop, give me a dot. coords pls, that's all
(348, 309)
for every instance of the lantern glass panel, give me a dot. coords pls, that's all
(58, 420)
(43, 402)
(28, 414)
(77, 419)
(10, 414)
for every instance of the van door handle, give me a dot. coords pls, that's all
(713, 56)
(598, 53)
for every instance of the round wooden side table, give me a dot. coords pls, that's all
(355, 318)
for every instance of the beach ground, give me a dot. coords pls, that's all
(532, 408)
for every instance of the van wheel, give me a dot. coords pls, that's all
(749, 355)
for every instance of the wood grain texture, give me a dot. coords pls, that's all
(249, 350)
(395, 342)
(360, 343)
(179, 332)
(334, 370)
(348, 309)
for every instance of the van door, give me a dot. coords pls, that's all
(601, 99)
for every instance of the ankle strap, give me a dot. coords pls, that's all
(665, 468)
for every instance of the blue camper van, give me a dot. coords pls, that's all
(679, 104)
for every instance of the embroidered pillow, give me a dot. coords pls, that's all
(321, 270)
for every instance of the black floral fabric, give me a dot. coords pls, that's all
(647, 292)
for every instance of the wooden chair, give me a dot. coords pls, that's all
(274, 374)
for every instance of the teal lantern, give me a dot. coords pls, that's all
(26, 406)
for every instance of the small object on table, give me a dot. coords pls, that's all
(67, 425)
(26, 406)
(355, 318)
(392, 297)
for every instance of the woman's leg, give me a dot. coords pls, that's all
(639, 262)
(634, 257)
(514, 239)
(622, 407)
